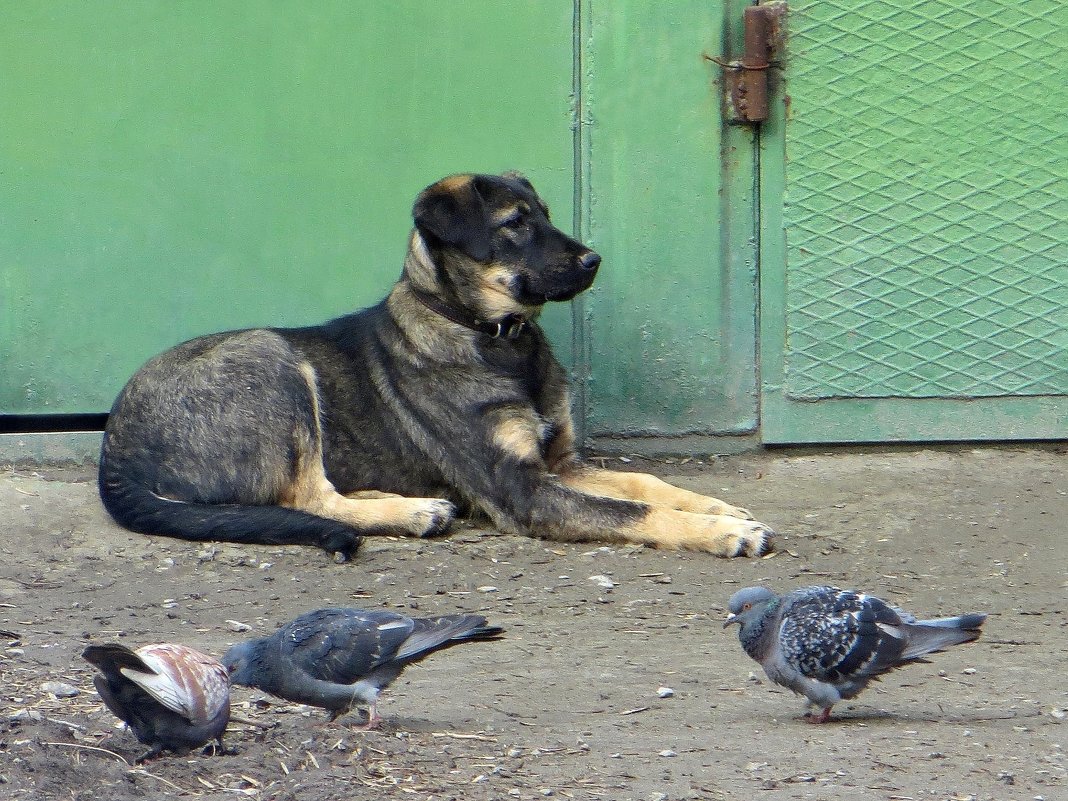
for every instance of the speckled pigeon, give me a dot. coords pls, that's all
(339, 658)
(827, 644)
(173, 697)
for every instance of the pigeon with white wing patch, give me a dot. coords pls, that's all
(340, 658)
(827, 644)
(173, 697)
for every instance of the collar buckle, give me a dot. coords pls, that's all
(514, 327)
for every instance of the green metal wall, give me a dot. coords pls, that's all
(175, 168)
(170, 169)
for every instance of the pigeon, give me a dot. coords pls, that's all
(173, 697)
(339, 658)
(827, 644)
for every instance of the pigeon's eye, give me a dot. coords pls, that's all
(746, 607)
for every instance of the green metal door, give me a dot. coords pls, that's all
(914, 252)
(670, 325)
(168, 169)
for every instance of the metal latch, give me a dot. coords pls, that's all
(746, 82)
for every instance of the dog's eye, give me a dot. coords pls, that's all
(513, 221)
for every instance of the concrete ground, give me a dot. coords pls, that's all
(616, 679)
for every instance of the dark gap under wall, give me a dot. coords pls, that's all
(43, 423)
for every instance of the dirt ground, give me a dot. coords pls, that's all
(569, 704)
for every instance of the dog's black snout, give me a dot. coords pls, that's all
(590, 260)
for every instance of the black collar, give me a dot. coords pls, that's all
(508, 327)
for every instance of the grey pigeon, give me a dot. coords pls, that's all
(827, 644)
(338, 658)
(173, 697)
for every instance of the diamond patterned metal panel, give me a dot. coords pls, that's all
(926, 199)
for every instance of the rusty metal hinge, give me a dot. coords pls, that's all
(745, 82)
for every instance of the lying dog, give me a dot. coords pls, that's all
(384, 421)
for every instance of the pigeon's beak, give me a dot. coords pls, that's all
(731, 618)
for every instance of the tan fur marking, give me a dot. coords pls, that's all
(505, 212)
(496, 299)
(518, 435)
(648, 489)
(369, 495)
(454, 183)
(308, 480)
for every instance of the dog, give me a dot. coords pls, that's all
(444, 396)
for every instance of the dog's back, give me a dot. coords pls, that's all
(200, 444)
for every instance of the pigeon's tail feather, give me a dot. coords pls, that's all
(128, 498)
(435, 633)
(928, 636)
(967, 622)
(483, 633)
(112, 656)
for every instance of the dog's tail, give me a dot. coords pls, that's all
(128, 499)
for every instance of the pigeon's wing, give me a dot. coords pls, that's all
(342, 645)
(431, 633)
(182, 679)
(835, 635)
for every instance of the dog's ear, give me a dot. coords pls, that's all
(513, 175)
(453, 212)
(521, 179)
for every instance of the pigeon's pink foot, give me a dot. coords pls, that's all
(373, 720)
(818, 717)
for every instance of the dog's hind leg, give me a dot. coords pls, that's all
(391, 514)
(370, 495)
(368, 511)
(648, 489)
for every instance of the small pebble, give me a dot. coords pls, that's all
(60, 689)
(237, 625)
(667, 752)
(664, 692)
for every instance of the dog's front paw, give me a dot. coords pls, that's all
(751, 539)
(721, 508)
(434, 518)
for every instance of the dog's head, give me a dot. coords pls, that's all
(493, 248)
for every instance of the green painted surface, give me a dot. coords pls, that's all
(914, 250)
(671, 321)
(170, 169)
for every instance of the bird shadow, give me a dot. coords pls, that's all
(861, 715)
